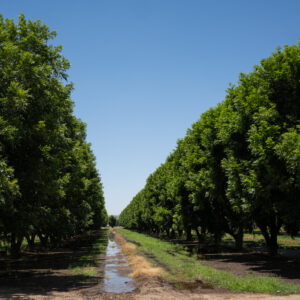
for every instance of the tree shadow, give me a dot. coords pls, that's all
(257, 264)
(252, 260)
(48, 271)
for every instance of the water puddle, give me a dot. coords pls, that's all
(193, 285)
(117, 271)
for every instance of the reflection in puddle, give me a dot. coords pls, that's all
(116, 273)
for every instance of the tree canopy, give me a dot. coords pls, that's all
(238, 167)
(112, 221)
(49, 185)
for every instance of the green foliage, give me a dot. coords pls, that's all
(112, 221)
(49, 185)
(237, 167)
(182, 267)
(88, 264)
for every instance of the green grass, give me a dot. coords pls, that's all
(86, 271)
(87, 264)
(182, 267)
(5, 246)
(284, 241)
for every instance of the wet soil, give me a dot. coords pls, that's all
(46, 275)
(116, 270)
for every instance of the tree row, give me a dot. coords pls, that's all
(49, 185)
(237, 168)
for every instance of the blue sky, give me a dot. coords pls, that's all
(145, 70)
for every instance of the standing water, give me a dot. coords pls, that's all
(117, 271)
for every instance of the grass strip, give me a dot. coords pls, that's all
(87, 264)
(182, 267)
(283, 240)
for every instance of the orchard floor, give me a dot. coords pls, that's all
(41, 272)
(147, 288)
(253, 260)
(47, 275)
(286, 268)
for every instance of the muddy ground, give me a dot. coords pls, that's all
(147, 288)
(46, 275)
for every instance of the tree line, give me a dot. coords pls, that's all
(49, 185)
(237, 168)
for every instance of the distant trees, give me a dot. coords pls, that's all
(49, 185)
(112, 221)
(238, 166)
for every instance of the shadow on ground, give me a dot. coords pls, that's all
(257, 264)
(252, 261)
(39, 273)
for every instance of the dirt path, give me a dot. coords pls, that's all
(146, 282)
(148, 288)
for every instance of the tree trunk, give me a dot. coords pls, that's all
(238, 238)
(270, 239)
(30, 240)
(179, 233)
(172, 233)
(198, 235)
(217, 239)
(54, 241)
(15, 246)
(203, 233)
(273, 245)
(43, 239)
(188, 231)
(157, 231)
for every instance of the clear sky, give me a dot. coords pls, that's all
(145, 70)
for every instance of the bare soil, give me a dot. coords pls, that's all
(147, 288)
(46, 275)
(41, 272)
(257, 264)
(252, 260)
